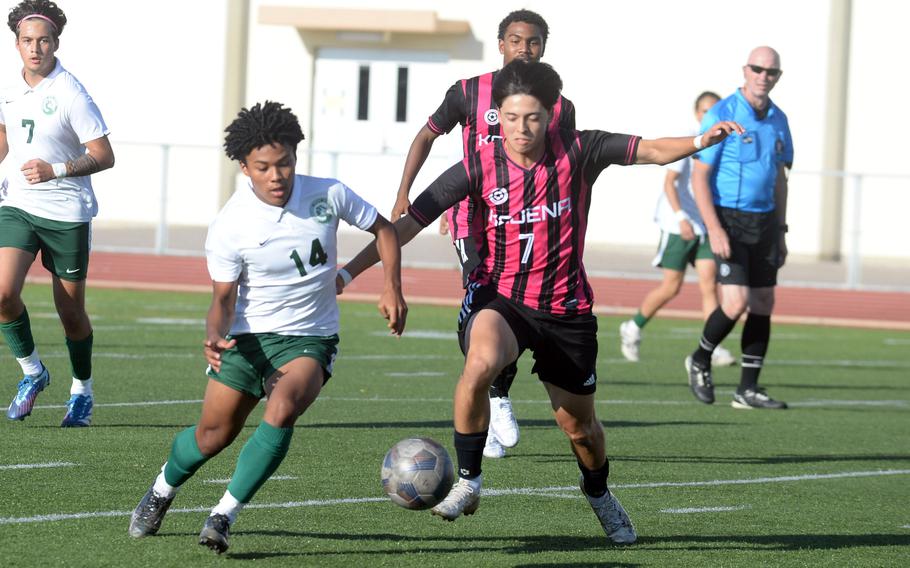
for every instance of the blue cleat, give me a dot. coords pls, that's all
(78, 411)
(29, 387)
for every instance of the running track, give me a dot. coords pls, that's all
(888, 310)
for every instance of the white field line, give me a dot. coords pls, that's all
(422, 334)
(227, 480)
(36, 465)
(191, 353)
(448, 400)
(172, 321)
(829, 403)
(418, 374)
(688, 510)
(715, 482)
(544, 491)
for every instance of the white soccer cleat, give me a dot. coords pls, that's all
(463, 499)
(629, 340)
(722, 357)
(502, 421)
(493, 449)
(613, 518)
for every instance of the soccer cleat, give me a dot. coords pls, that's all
(149, 513)
(502, 421)
(700, 382)
(493, 449)
(29, 387)
(215, 533)
(629, 340)
(722, 357)
(78, 411)
(756, 398)
(463, 498)
(613, 518)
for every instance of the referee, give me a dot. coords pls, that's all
(741, 191)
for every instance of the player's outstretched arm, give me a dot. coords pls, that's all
(391, 303)
(666, 150)
(417, 155)
(406, 228)
(218, 322)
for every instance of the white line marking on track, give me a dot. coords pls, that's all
(36, 465)
(490, 492)
(894, 342)
(704, 509)
(227, 480)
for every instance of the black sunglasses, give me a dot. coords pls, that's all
(772, 73)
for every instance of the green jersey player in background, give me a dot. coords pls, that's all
(272, 328)
(52, 138)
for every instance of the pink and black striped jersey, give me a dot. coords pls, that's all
(469, 102)
(533, 220)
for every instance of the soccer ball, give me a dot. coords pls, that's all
(417, 473)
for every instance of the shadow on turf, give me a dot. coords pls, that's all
(531, 544)
(535, 544)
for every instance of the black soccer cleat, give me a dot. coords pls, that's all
(215, 533)
(700, 382)
(756, 398)
(149, 513)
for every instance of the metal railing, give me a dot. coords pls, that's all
(185, 198)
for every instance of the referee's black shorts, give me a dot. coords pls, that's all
(754, 248)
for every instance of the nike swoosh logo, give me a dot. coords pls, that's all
(72, 270)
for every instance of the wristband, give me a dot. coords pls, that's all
(345, 276)
(59, 170)
(699, 142)
(681, 215)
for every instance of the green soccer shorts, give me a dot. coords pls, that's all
(64, 246)
(257, 356)
(674, 253)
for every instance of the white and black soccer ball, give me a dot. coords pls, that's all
(417, 473)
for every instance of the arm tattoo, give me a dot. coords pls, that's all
(84, 165)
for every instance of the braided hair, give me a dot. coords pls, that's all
(45, 8)
(261, 125)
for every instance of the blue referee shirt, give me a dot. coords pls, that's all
(744, 168)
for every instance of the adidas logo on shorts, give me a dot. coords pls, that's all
(591, 380)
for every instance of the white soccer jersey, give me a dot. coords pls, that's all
(663, 213)
(285, 258)
(51, 121)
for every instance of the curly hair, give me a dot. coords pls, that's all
(533, 78)
(45, 8)
(528, 17)
(261, 125)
